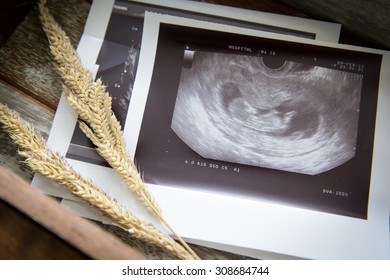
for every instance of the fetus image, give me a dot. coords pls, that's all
(265, 112)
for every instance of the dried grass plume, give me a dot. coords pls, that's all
(43, 160)
(93, 105)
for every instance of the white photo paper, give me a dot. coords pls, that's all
(110, 47)
(252, 142)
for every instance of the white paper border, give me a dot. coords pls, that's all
(265, 226)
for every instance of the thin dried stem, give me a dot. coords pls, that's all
(43, 160)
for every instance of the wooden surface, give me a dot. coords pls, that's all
(366, 21)
(29, 85)
(47, 212)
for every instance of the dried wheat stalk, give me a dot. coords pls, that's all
(93, 105)
(43, 160)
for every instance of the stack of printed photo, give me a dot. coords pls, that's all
(256, 133)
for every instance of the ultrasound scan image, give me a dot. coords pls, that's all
(265, 112)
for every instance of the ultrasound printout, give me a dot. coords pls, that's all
(118, 61)
(271, 120)
(289, 116)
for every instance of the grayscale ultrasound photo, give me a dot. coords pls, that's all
(261, 118)
(118, 61)
(250, 110)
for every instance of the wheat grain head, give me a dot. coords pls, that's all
(43, 160)
(93, 104)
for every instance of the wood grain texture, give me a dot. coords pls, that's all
(84, 235)
(367, 21)
(21, 238)
(32, 111)
(25, 58)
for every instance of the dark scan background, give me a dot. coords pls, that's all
(310, 122)
(294, 117)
